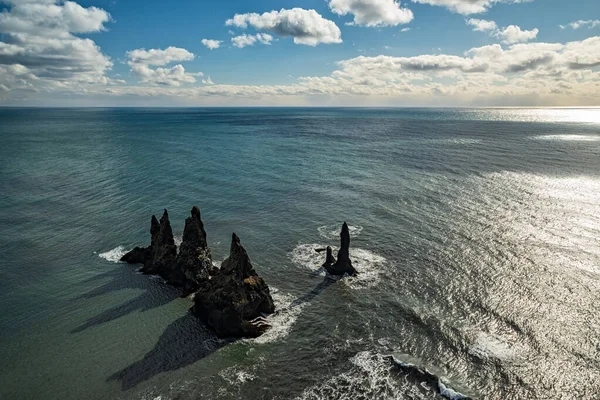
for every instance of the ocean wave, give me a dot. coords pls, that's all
(281, 321)
(370, 376)
(114, 255)
(370, 266)
(333, 231)
(424, 376)
(236, 376)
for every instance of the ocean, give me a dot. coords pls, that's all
(476, 233)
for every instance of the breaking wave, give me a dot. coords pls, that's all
(114, 255)
(281, 321)
(377, 376)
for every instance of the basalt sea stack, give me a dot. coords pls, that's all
(343, 264)
(188, 268)
(234, 300)
(158, 258)
(194, 262)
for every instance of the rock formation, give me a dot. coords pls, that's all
(343, 264)
(159, 257)
(194, 262)
(190, 267)
(234, 300)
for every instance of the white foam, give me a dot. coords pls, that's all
(236, 376)
(333, 231)
(449, 393)
(178, 239)
(369, 377)
(286, 314)
(114, 255)
(568, 138)
(489, 346)
(369, 265)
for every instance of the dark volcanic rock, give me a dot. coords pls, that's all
(138, 255)
(343, 265)
(234, 300)
(194, 262)
(329, 259)
(159, 257)
(162, 246)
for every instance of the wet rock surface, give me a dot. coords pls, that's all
(235, 300)
(343, 264)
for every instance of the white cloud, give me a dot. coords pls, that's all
(40, 51)
(514, 34)
(211, 43)
(581, 23)
(482, 25)
(373, 12)
(404, 29)
(540, 73)
(208, 81)
(467, 6)
(249, 40)
(305, 26)
(509, 35)
(141, 61)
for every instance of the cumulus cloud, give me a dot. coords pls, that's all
(39, 49)
(211, 43)
(553, 72)
(244, 40)
(581, 23)
(373, 12)
(514, 34)
(141, 62)
(482, 25)
(467, 6)
(305, 26)
(509, 35)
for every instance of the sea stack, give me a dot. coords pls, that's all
(235, 299)
(159, 257)
(343, 264)
(188, 268)
(194, 262)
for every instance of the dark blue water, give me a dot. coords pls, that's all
(477, 234)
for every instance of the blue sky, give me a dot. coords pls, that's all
(345, 52)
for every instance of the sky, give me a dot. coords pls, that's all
(300, 53)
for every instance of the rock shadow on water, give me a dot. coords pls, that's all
(317, 290)
(154, 294)
(184, 342)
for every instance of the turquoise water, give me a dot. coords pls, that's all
(476, 232)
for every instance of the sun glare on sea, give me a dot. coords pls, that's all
(588, 115)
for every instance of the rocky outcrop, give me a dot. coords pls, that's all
(343, 264)
(159, 257)
(189, 267)
(162, 248)
(193, 265)
(234, 301)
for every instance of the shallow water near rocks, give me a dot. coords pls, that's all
(476, 232)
